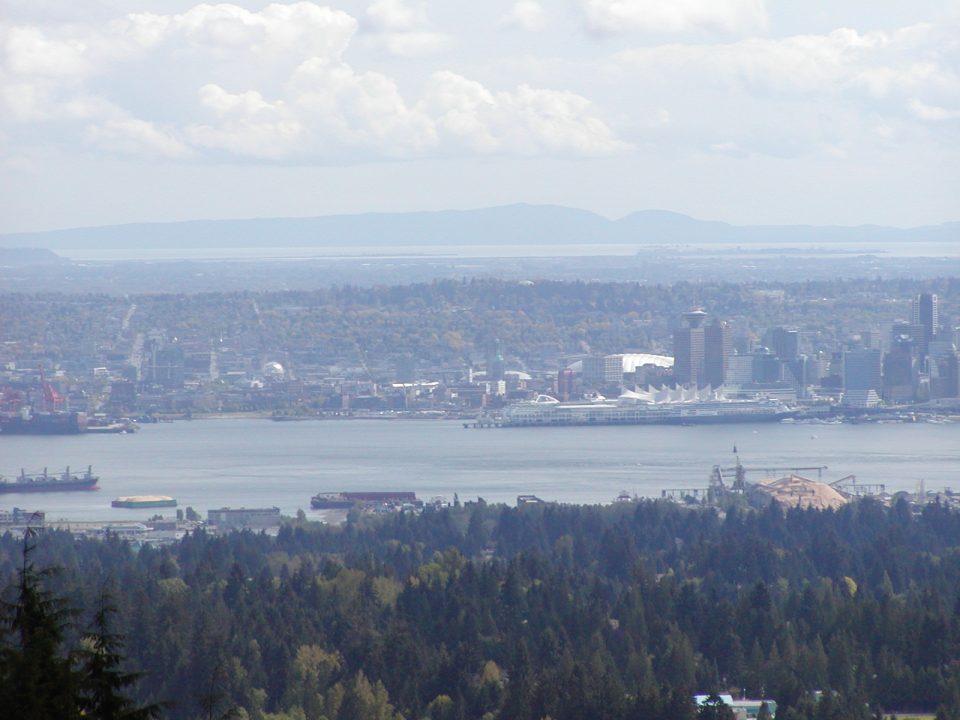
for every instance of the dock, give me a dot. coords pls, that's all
(482, 423)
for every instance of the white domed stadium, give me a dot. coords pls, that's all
(273, 371)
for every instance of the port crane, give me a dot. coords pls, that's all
(52, 400)
(734, 478)
(12, 400)
(850, 486)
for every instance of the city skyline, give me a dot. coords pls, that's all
(743, 111)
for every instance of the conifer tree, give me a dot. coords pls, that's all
(104, 685)
(38, 680)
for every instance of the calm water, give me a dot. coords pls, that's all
(424, 252)
(215, 463)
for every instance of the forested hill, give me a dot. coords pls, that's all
(519, 224)
(556, 611)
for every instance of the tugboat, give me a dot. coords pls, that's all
(44, 482)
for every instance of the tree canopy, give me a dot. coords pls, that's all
(485, 611)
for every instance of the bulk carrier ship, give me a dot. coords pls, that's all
(44, 482)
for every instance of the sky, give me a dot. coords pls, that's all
(746, 111)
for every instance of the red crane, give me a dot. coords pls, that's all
(52, 400)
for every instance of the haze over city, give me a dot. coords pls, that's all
(506, 360)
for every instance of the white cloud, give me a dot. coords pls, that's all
(932, 112)
(20, 102)
(846, 64)
(42, 69)
(35, 69)
(300, 29)
(131, 136)
(459, 104)
(816, 95)
(29, 52)
(770, 102)
(675, 16)
(247, 125)
(245, 137)
(223, 103)
(395, 15)
(415, 44)
(525, 15)
(358, 110)
(528, 121)
(802, 62)
(273, 85)
(885, 131)
(404, 30)
(276, 84)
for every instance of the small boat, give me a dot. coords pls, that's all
(102, 426)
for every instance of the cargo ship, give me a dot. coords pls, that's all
(27, 422)
(346, 500)
(664, 407)
(47, 416)
(143, 501)
(44, 482)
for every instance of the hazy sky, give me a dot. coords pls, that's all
(784, 111)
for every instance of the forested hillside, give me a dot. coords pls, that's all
(568, 612)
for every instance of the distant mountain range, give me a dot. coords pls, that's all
(506, 225)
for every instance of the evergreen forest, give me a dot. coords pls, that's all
(491, 612)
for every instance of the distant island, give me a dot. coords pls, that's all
(520, 224)
(21, 256)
